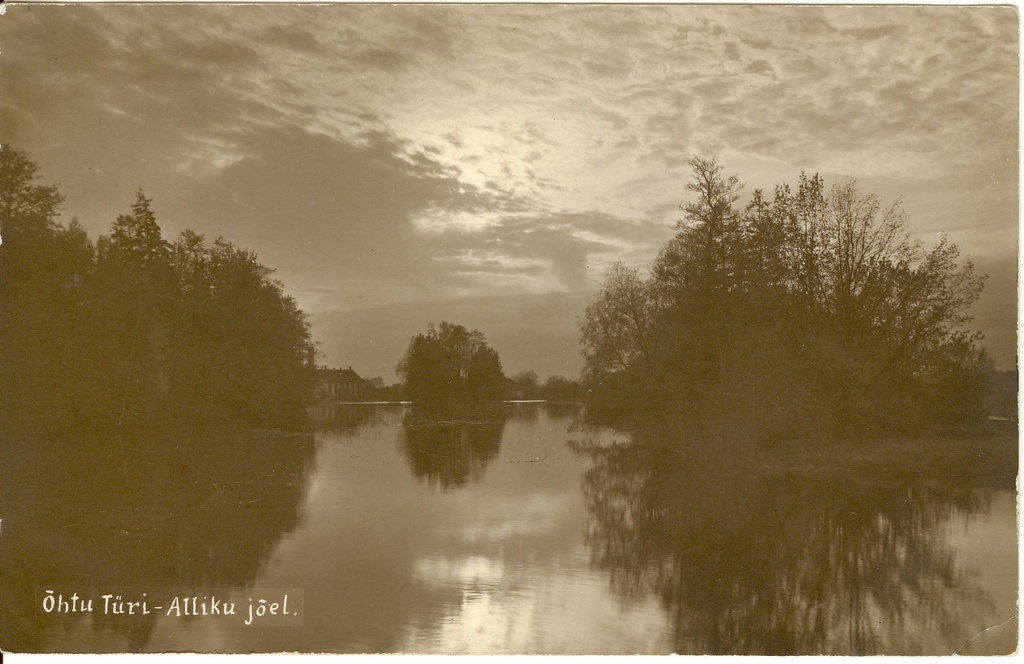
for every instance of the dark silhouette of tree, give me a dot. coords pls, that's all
(242, 340)
(525, 385)
(25, 207)
(485, 381)
(136, 236)
(703, 255)
(620, 325)
(139, 331)
(560, 388)
(450, 367)
(459, 346)
(427, 372)
(43, 269)
(125, 323)
(815, 308)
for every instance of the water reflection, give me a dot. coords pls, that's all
(801, 558)
(751, 557)
(179, 515)
(563, 410)
(342, 417)
(448, 454)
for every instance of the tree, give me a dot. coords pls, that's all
(426, 372)
(450, 365)
(622, 343)
(25, 207)
(137, 236)
(124, 341)
(814, 307)
(138, 331)
(703, 254)
(526, 384)
(885, 313)
(43, 269)
(768, 244)
(460, 345)
(619, 327)
(560, 388)
(243, 344)
(485, 381)
(879, 286)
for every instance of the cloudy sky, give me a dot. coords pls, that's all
(399, 165)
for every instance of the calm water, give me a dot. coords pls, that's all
(524, 534)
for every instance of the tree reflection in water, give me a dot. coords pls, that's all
(344, 418)
(451, 452)
(181, 516)
(562, 410)
(783, 559)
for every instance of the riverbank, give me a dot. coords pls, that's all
(986, 455)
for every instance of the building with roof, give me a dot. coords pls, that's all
(338, 384)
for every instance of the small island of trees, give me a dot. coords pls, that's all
(450, 367)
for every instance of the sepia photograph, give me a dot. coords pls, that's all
(529, 329)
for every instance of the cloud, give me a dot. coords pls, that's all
(550, 245)
(760, 67)
(293, 37)
(123, 101)
(424, 68)
(330, 213)
(354, 223)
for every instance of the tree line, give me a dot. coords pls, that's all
(527, 385)
(810, 311)
(136, 330)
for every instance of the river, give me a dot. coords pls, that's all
(528, 533)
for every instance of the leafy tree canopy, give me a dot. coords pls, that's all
(141, 331)
(449, 365)
(811, 309)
